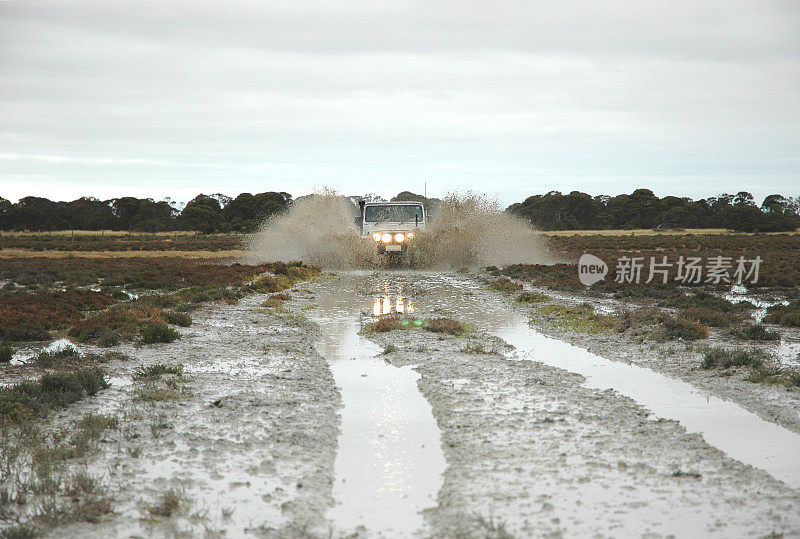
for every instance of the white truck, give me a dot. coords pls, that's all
(390, 225)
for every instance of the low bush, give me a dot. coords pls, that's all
(435, 325)
(705, 300)
(30, 399)
(48, 358)
(154, 372)
(25, 332)
(156, 332)
(167, 504)
(386, 324)
(785, 315)
(642, 322)
(682, 328)
(716, 357)
(6, 353)
(709, 317)
(756, 332)
(126, 320)
(275, 301)
(179, 319)
(553, 276)
(580, 318)
(445, 325)
(531, 297)
(504, 284)
(29, 316)
(109, 338)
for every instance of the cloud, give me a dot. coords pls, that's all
(517, 97)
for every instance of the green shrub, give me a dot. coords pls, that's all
(716, 357)
(179, 319)
(445, 325)
(580, 318)
(154, 372)
(30, 399)
(158, 332)
(531, 297)
(785, 315)
(756, 332)
(6, 353)
(25, 332)
(48, 358)
(681, 328)
(709, 317)
(504, 284)
(109, 338)
(706, 300)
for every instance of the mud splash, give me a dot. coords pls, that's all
(319, 229)
(467, 231)
(471, 230)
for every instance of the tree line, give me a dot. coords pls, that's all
(551, 211)
(204, 213)
(643, 209)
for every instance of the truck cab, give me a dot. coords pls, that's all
(390, 225)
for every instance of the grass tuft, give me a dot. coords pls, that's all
(28, 400)
(532, 297)
(154, 372)
(156, 332)
(716, 357)
(167, 504)
(756, 332)
(6, 353)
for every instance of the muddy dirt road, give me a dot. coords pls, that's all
(296, 422)
(531, 450)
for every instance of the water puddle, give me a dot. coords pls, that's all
(742, 435)
(389, 463)
(729, 427)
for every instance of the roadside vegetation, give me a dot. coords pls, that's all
(761, 368)
(785, 315)
(780, 253)
(109, 300)
(581, 318)
(446, 326)
(43, 482)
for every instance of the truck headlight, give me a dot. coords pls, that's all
(399, 237)
(376, 236)
(386, 237)
(410, 235)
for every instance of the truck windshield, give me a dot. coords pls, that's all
(393, 213)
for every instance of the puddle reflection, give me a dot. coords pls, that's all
(388, 301)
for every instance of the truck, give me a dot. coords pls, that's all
(390, 226)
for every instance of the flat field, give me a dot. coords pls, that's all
(152, 386)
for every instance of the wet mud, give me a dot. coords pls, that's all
(531, 450)
(682, 360)
(249, 444)
(289, 423)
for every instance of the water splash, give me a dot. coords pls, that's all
(318, 229)
(467, 231)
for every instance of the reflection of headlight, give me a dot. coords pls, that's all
(410, 235)
(399, 237)
(386, 238)
(376, 236)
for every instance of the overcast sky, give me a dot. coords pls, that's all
(174, 98)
